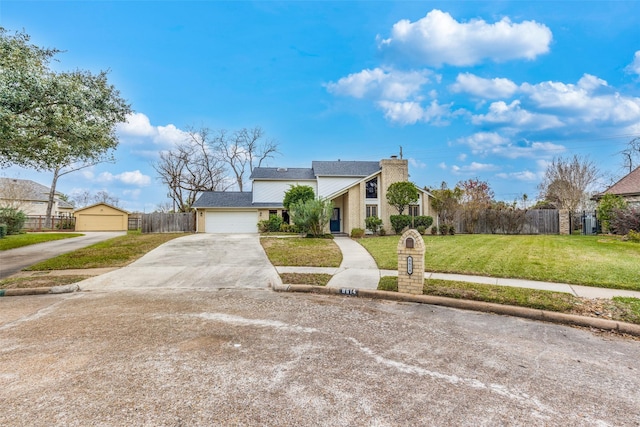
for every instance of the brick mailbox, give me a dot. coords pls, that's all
(411, 263)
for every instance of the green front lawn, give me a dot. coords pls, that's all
(600, 261)
(302, 252)
(116, 252)
(19, 240)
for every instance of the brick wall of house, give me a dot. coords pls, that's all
(393, 170)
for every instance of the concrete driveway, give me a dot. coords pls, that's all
(15, 260)
(195, 261)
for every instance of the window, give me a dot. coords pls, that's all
(414, 210)
(273, 213)
(372, 188)
(372, 210)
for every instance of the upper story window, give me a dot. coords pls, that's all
(372, 188)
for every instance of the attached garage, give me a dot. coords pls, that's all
(236, 221)
(101, 217)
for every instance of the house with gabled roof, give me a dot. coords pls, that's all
(628, 188)
(356, 188)
(31, 198)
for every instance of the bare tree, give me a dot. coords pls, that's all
(191, 168)
(567, 181)
(87, 198)
(631, 155)
(243, 150)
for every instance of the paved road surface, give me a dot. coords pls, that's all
(255, 357)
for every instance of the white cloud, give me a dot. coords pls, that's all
(590, 100)
(417, 163)
(138, 129)
(474, 167)
(491, 143)
(439, 39)
(442, 165)
(136, 178)
(634, 67)
(484, 88)
(381, 84)
(512, 115)
(525, 175)
(412, 112)
(133, 194)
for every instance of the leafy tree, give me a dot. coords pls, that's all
(243, 150)
(402, 194)
(14, 219)
(191, 168)
(607, 206)
(476, 197)
(446, 202)
(567, 181)
(58, 122)
(297, 193)
(312, 216)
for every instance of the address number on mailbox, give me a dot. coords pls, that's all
(409, 265)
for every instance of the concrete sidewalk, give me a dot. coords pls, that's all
(358, 270)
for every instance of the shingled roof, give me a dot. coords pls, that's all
(224, 199)
(283, 173)
(28, 190)
(629, 185)
(344, 168)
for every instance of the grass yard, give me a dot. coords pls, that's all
(19, 240)
(302, 252)
(619, 308)
(315, 279)
(600, 261)
(116, 252)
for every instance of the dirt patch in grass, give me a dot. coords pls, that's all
(43, 281)
(315, 279)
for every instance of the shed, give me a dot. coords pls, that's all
(101, 217)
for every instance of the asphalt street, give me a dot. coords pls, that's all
(164, 357)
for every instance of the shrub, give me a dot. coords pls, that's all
(272, 224)
(399, 222)
(624, 220)
(607, 207)
(421, 229)
(3, 230)
(443, 229)
(382, 231)
(434, 230)
(633, 236)
(422, 221)
(66, 224)
(13, 218)
(373, 223)
(312, 216)
(357, 233)
(288, 228)
(452, 230)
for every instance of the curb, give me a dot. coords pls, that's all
(39, 291)
(486, 307)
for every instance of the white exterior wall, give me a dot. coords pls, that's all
(331, 185)
(273, 191)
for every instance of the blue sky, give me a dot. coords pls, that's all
(492, 90)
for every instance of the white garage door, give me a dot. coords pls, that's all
(232, 222)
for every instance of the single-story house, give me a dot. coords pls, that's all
(101, 217)
(357, 189)
(628, 188)
(31, 198)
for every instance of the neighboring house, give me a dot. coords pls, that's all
(628, 188)
(101, 217)
(357, 189)
(31, 198)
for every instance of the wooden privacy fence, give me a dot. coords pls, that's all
(159, 222)
(39, 223)
(532, 221)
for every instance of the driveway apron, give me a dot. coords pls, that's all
(195, 261)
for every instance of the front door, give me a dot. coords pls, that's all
(334, 224)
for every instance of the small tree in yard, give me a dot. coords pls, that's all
(312, 216)
(297, 193)
(402, 194)
(607, 206)
(373, 223)
(446, 202)
(476, 197)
